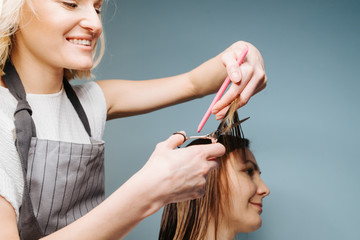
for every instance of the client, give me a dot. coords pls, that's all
(232, 202)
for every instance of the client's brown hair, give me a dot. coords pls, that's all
(189, 219)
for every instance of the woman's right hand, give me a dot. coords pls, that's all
(180, 173)
(170, 175)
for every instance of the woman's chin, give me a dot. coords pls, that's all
(79, 65)
(252, 226)
(256, 226)
(85, 67)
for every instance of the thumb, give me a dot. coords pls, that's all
(176, 139)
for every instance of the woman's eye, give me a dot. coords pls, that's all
(98, 10)
(250, 172)
(70, 4)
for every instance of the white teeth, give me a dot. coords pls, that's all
(81, 42)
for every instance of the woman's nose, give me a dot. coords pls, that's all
(263, 190)
(91, 21)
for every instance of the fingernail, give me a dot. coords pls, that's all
(235, 76)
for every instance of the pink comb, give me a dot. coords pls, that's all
(220, 92)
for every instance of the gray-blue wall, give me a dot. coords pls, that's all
(304, 127)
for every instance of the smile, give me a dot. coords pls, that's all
(258, 206)
(83, 42)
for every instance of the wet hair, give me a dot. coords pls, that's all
(10, 14)
(190, 219)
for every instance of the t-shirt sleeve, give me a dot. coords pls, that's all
(11, 178)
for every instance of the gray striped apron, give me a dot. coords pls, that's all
(63, 180)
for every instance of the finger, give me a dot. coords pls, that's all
(200, 192)
(228, 97)
(235, 90)
(261, 79)
(175, 140)
(249, 83)
(260, 88)
(182, 133)
(213, 163)
(247, 72)
(248, 92)
(221, 114)
(232, 66)
(211, 151)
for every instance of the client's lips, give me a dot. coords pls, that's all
(258, 205)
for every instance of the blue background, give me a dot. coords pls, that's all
(304, 126)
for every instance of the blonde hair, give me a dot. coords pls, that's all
(10, 11)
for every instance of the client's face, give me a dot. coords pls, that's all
(246, 190)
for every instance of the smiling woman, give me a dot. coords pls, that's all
(52, 178)
(55, 31)
(232, 202)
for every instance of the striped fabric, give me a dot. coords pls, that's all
(66, 180)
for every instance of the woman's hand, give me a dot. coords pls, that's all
(180, 173)
(247, 79)
(127, 98)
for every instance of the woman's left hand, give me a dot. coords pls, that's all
(247, 79)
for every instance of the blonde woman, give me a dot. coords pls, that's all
(51, 179)
(232, 202)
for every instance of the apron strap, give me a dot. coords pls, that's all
(77, 105)
(25, 130)
(24, 124)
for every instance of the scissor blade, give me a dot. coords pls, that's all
(217, 133)
(233, 125)
(239, 122)
(199, 137)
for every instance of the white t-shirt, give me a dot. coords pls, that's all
(55, 119)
